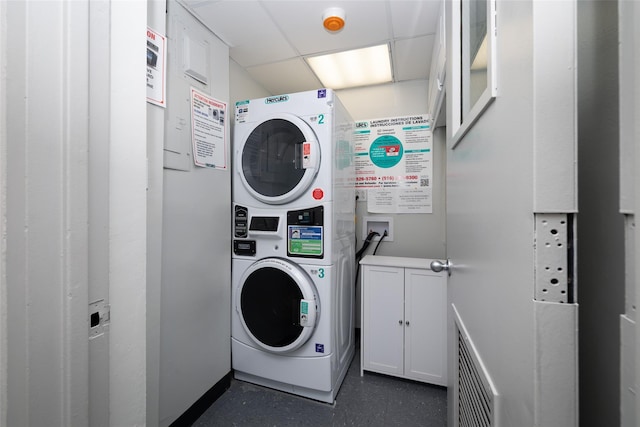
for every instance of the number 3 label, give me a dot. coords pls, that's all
(321, 273)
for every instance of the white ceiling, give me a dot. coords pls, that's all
(271, 38)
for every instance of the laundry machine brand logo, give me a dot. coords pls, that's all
(319, 348)
(276, 99)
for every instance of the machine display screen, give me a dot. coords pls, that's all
(264, 223)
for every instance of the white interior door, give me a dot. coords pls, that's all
(511, 200)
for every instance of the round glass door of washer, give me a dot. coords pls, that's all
(277, 303)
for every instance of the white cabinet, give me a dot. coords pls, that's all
(403, 325)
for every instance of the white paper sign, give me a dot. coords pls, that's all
(393, 160)
(399, 201)
(156, 66)
(208, 121)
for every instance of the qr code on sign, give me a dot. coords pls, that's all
(424, 182)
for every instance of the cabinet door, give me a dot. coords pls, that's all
(425, 326)
(383, 295)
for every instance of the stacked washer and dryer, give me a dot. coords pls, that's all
(293, 263)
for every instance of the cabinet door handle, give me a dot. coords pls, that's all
(407, 323)
(400, 322)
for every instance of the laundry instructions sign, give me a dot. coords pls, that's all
(394, 163)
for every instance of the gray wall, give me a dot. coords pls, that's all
(600, 225)
(195, 294)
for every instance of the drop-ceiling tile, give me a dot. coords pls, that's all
(285, 77)
(412, 58)
(247, 29)
(301, 21)
(413, 18)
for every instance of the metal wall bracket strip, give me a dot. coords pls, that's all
(554, 258)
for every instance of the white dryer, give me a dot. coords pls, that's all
(292, 325)
(293, 150)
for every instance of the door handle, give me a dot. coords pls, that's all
(438, 266)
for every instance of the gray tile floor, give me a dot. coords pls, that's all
(372, 400)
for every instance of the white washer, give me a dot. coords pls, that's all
(293, 150)
(293, 325)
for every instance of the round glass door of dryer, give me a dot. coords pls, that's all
(279, 159)
(277, 303)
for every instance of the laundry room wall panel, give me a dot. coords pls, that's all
(156, 20)
(195, 353)
(415, 235)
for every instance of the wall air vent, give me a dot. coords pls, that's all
(475, 396)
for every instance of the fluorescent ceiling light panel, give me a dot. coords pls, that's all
(353, 68)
